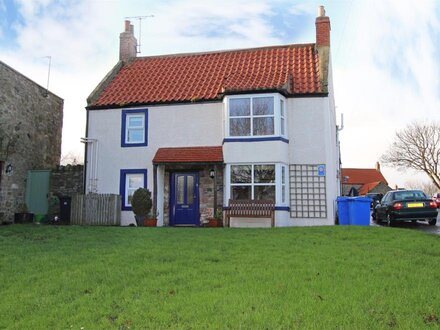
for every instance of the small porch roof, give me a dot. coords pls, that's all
(211, 154)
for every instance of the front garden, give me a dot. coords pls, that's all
(197, 278)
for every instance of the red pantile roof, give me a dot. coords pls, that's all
(205, 76)
(366, 188)
(361, 176)
(189, 155)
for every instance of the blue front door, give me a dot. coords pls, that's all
(184, 199)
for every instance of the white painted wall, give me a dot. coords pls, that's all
(168, 126)
(315, 145)
(311, 131)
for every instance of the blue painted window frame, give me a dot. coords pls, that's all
(125, 144)
(123, 188)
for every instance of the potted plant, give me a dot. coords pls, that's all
(151, 220)
(141, 204)
(216, 220)
(23, 215)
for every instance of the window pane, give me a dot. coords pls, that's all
(262, 106)
(135, 135)
(135, 121)
(282, 126)
(282, 108)
(239, 127)
(240, 107)
(241, 173)
(135, 181)
(264, 173)
(264, 192)
(189, 189)
(283, 175)
(263, 126)
(180, 189)
(283, 193)
(132, 183)
(241, 192)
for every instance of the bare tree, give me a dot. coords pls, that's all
(72, 158)
(417, 147)
(428, 187)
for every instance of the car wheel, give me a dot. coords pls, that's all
(432, 222)
(390, 221)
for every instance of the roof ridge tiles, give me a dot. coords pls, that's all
(222, 51)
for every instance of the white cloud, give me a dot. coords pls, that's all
(386, 76)
(386, 68)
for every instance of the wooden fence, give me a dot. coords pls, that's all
(96, 210)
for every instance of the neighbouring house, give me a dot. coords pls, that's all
(30, 140)
(363, 181)
(199, 129)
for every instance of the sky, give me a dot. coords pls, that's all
(385, 55)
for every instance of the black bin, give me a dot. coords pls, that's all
(65, 206)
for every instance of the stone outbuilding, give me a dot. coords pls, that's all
(31, 120)
(363, 181)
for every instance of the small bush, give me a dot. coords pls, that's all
(141, 202)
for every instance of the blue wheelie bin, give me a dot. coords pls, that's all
(343, 215)
(359, 211)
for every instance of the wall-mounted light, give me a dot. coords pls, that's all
(9, 169)
(212, 173)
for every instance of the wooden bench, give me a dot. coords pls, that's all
(250, 209)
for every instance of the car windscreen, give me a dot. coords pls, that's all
(409, 195)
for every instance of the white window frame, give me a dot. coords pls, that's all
(128, 127)
(276, 115)
(278, 182)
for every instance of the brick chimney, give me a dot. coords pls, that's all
(127, 43)
(378, 166)
(322, 24)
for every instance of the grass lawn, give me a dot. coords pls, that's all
(190, 278)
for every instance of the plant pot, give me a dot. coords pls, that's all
(139, 220)
(23, 217)
(150, 222)
(213, 222)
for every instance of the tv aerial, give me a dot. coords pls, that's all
(139, 18)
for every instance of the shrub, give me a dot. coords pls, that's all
(141, 202)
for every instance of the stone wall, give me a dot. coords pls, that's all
(30, 135)
(66, 181)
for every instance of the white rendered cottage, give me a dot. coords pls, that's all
(200, 129)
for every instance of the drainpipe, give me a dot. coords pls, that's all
(155, 189)
(215, 189)
(93, 181)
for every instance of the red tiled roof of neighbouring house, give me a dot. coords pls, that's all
(206, 76)
(366, 188)
(361, 176)
(189, 155)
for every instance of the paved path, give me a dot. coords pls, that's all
(419, 225)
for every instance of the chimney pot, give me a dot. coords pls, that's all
(322, 24)
(127, 26)
(378, 166)
(127, 43)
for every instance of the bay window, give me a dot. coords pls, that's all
(258, 182)
(257, 115)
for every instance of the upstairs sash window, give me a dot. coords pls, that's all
(134, 128)
(251, 116)
(259, 116)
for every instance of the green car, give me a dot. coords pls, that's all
(406, 205)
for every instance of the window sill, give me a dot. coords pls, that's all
(255, 139)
